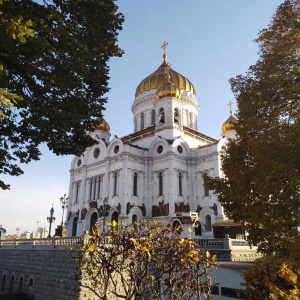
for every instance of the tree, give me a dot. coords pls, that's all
(61, 73)
(261, 184)
(15, 28)
(273, 276)
(144, 261)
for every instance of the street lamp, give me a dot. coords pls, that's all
(51, 220)
(63, 201)
(105, 211)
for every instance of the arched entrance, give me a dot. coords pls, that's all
(93, 221)
(134, 222)
(198, 229)
(74, 226)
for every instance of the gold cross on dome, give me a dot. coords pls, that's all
(164, 46)
(230, 105)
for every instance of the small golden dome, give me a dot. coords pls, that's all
(104, 126)
(158, 78)
(229, 124)
(168, 90)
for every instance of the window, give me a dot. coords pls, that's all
(116, 149)
(115, 183)
(142, 121)
(74, 227)
(135, 183)
(159, 149)
(179, 149)
(191, 120)
(233, 293)
(153, 117)
(161, 116)
(160, 183)
(176, 116)
(91, 189)
(206, 190)
(76, 191)
(99, 187)
(96, 152)
(135, 124)
(180, 184)
(95, 188)
(208, 223)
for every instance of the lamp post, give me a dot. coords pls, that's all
(105, 212)
(63, 201)
(50, 219)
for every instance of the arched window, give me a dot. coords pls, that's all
(93, 221)
(161, 116)
(11, 284)
(180, 184)
(115, 183)
(160, 183)
(208, 223)
(134, 222)
(198, 229)
(76, 191)
(206, 190)
(20, 284)
(74, 227)
(176, 116)
(95, 188)
(153, 117)
(135, 184)
(99, 187)
(142, 120)
(3, 283)
(91, 189)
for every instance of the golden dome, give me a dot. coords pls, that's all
(229, 124)
(168, 90)
(104, 126)
(158, 78)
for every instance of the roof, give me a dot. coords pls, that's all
(226, 223)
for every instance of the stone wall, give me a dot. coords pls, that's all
(44, 272)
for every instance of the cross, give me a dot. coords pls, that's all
(164, 46)
(230, 105)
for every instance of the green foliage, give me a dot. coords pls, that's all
(61, 73)
(261, 187)
(144, 261)
(17, 29)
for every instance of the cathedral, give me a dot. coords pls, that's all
(155, 172)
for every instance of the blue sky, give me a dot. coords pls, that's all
(210, 41)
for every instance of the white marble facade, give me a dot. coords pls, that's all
(154, 172)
